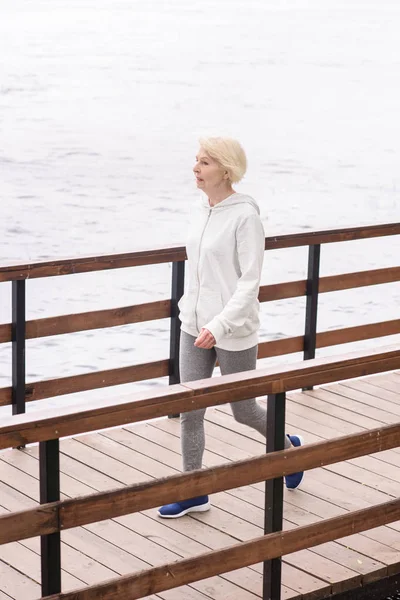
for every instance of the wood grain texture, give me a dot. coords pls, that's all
(92, 320)
(22, 429)
(360, 332)
(40, 521)
(178, 253)
(162, 309)
(214, 563)
(141, 496)
(39, 390)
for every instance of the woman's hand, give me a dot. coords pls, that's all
(205, 339)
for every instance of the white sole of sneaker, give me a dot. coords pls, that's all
(202, 508)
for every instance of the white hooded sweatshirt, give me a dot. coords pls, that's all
(225, 250)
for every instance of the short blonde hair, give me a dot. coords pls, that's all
(228, 153)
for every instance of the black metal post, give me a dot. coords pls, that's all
(49, 466)
(178, 284)
(310, 334)
(273, 515)
(18, 346)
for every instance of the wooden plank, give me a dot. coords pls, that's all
(379, 393)
(346, 562)
(264, 548)
(360, 279)
(9, 272)
(16, 585)
(50, 388)
(179, 539)
(91, 320)
(386, 384)
(71, 536)
(25, 464)
(324, 403)
(369, 463)
(223, 501)
(190, 537)
(332, 283)
(40, 523)
(61, 422)
(13, 499)
(352, 390)
(89, 436)
(68, 445)
(355, 334)
(279, 347)
(22, 558)
(92, 263)
(295, 498)
(339, 577)
(281, 291)
(140, 496)
(309, 586)
(369, 479)
(326, 237)
(370, 568)
(117, 461)
(344, 398)
(219, 478)
(88, 439)
(378, 552)
(150, 550)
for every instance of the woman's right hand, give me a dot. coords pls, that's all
(205, 339)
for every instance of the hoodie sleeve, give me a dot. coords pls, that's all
(250, 240)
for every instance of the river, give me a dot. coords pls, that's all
(101, 106)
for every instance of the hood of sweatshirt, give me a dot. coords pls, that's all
(233, 200)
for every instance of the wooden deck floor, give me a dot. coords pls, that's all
(113, 458)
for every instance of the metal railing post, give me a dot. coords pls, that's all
(50, 545)
(310, 334)
(273, 514)
(178, 284)
(18, 346)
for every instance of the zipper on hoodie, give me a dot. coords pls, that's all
(198, 276)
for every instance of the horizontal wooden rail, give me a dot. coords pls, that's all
(347, 281)
(98, 319)
(50, 518)
(355, 334)
(213, 563)
(40, 390)
(329, 338)
(162, 309)
(177, 253)
(49, 424)
(331, 283)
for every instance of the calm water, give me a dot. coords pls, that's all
(101, 105)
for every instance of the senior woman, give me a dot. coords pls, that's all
(219, 311)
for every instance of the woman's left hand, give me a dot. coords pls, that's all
(205, 339)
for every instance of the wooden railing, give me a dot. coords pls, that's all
(19, 330)
(54, 516)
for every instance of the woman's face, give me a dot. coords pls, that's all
(209, 174)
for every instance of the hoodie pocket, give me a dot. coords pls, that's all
(209, 305)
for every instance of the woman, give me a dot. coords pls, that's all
(219, 312)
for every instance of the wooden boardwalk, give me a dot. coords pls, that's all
(116, 457)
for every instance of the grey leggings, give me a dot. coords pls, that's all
(198, 363)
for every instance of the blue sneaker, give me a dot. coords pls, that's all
(294, 479)
(178, 509)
